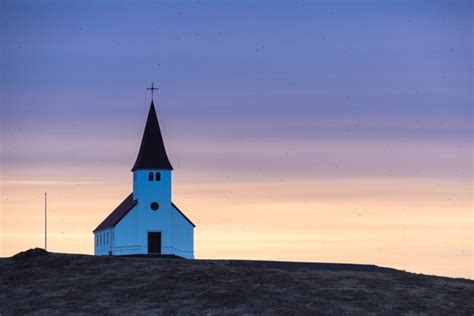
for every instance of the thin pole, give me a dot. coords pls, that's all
(45, 221)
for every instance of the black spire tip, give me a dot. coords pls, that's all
(152, 154)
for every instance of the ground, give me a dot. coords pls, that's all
(50, 283)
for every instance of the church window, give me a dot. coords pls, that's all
(158, 176)
(150, 176)
(154, 206)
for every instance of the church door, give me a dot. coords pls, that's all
(154, 242)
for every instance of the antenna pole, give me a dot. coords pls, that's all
(45, 221)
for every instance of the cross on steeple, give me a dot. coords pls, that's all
(152, 89)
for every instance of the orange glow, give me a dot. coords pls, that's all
(409, 224)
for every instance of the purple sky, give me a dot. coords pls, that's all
(366, 69)
(236, 71)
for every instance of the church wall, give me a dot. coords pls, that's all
(103, 242)
(154, 221)
(125, 234)
(183, 236)
(147, 192)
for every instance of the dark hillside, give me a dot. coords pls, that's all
(39, 282)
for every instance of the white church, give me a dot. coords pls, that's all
(147, 222)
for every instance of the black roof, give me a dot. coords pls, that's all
(126, 206)
(115, 217)
(152, 154)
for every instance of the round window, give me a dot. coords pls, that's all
(154, 206)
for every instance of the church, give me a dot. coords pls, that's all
(147, 221)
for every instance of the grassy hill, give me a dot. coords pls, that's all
(46, 283)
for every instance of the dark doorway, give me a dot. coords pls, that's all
(154, 242)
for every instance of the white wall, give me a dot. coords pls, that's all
(131, 233)
(183, 236)
(126, 232)
(148, 192)
(103, 242)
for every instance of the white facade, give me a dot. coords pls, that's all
(130, 235)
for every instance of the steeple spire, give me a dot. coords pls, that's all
(152, 154)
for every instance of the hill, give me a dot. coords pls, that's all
(45, 283)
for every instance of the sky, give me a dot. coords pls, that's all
(329, 131)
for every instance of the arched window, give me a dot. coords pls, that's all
(158, 176)
(150, 176)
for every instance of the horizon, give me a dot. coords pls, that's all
(314, 132)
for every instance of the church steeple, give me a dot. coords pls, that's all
(152, 154)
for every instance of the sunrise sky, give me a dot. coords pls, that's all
(306, 131)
